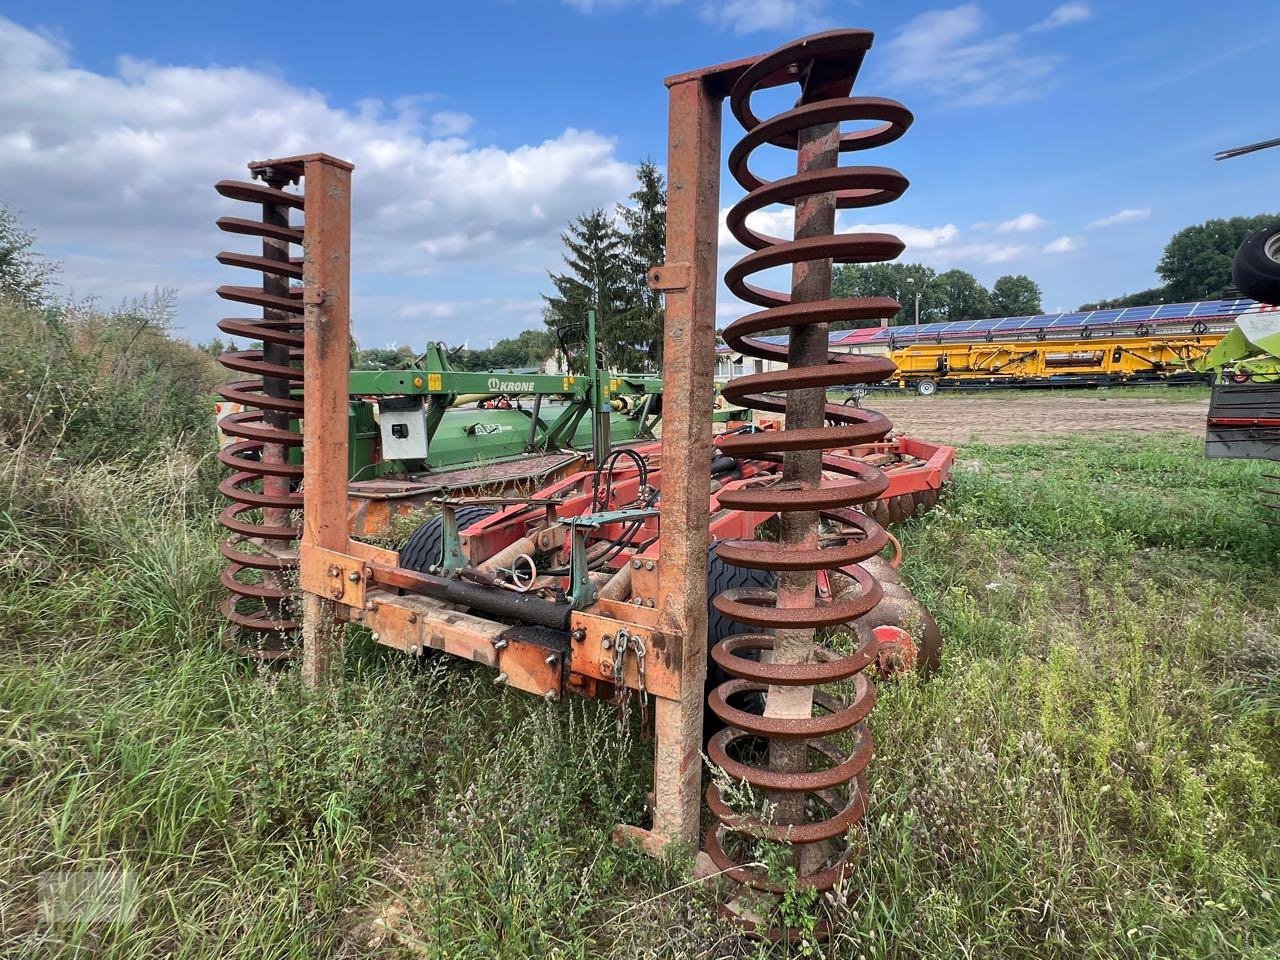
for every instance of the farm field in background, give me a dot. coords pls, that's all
(1094, 773)
(1012, 416)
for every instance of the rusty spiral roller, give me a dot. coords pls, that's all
(817, 788)
(263, 482)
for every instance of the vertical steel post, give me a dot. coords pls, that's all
(689, 280)
(326, 274)
(599, 403)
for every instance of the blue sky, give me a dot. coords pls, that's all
(1063, 140)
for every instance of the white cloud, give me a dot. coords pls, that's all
(1022, 223)
(779, 223)
(1128, 215)
(480, 320)
(740, 16)
(1062, 245)
(943, 246)
(950, 53)
(747, 16)
(450, 123)
(118, 167)
(981, 253)
(1063, 16)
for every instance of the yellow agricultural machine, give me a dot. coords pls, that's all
(1082, 363)
(1160, 343)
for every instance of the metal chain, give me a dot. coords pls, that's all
(640, 650)
(621, 644)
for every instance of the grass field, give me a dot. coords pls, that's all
(1094, 773)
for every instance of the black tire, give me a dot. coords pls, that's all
(926, 387)
(1257, 265)
(722, 576)
(422, 550)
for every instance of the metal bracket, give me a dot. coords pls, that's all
(452, 559)
(670, 277)
(594, 656)
(581, 592)
(334, 576)
(593, 521)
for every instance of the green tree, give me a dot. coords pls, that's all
(528, 349)
(1197, 260)
(961, 297)
(389, 358)
(24, 275)
(644, 247)
(1016, 295)
(890, 280)
(597, 279)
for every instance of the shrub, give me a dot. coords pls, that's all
(97, 384)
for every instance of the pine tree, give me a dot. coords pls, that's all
(596, 279)
(645, 247)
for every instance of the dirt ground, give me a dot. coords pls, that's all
(1012, 418)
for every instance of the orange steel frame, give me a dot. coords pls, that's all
(345, 580)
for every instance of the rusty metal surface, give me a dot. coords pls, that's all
(414, 624)
(693, 203)
(326, 351)
(592, 655)
(262, 484)
(339, 577)
(784, 664)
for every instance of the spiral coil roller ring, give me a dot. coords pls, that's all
(818, 788)
(263, 484)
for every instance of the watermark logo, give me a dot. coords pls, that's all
(87, 896)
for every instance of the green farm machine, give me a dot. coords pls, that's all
(1244, 408)
(426, 429)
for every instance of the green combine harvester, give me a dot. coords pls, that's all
(1244, 408)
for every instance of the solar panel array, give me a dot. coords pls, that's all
(1055, 324)
(1064, 323)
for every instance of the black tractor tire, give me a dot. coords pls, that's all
(926, 387)
(722, 576)
(1257, 265)
(422, 550)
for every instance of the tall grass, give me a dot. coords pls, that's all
(1093, 773)
(260, 820)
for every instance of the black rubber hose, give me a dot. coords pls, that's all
(503, 603)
